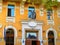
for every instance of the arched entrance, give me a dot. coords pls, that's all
(51, 40)
(10, 36)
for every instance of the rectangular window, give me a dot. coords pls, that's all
(49, 14)
(31, 35)
(11, 10)
(31, 13)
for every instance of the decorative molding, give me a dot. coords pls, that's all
(41, 11)
(51, 29)
(37, 27)
(50, 22)
(11, 3)
(22, 9)
(55, 34)
(32, 24)
(10, 19)
(12, 28)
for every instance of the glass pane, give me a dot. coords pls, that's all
(31, 11)
(48, 17)
(31, 35)
(10, 10)
(30, 14)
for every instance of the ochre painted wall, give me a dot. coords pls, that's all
(18, 18)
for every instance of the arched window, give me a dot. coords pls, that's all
(51, 38)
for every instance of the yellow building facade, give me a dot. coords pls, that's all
(21, 25)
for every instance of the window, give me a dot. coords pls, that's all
(49, 14)
(11, 10)
(31, 13)
(31, 35)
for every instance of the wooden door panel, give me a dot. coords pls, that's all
(9, 37)
(38, 42)
(28, 42)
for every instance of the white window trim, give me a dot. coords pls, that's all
(21, 9)
(14, 11)
(41, 12)
(51, 21)
(10, 19)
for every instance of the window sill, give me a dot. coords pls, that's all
(50, 22)
(31, 19)
(10, 19)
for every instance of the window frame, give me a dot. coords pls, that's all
(30, 10)
(31, 31)
(12, 8)
(49, 15)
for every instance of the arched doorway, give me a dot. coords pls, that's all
(51, 40)
(10, 37)
(31, 37)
